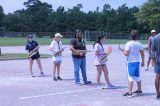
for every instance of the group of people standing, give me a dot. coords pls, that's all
(132, 51)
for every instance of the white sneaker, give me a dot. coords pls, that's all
(146, 69)
(109, 86)
(152, 68)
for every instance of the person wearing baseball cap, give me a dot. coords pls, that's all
(32, 48)
(56, 48)
(151, 53)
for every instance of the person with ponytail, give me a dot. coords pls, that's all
(101, 65)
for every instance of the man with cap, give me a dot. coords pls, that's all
(151, 53)
(156, 48)
(33, 54)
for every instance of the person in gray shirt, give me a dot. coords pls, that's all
(151, 53)
(157, 65)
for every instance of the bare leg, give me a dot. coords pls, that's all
(58, 69)
(139, 85)
(153, 61)
(130, 86)
(54, 68)
(105, 71)
(148, 63)
(39, 64)
(30, 66)
(99, 72)
(157, 83)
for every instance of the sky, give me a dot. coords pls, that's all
(13, 5)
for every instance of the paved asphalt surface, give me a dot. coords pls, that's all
(17, 88)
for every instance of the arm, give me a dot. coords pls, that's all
(74, 50)
(149, 45)
(126, 52)
(142, 56)
(98, 53)
(154, 46)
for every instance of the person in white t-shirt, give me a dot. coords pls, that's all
(57, 48)
(132, 51)
(100, 60)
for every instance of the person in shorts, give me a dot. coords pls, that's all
(30, 47)
(133, 50)
(57, 48)
(156, 48)
(100, 64)
(151, 53)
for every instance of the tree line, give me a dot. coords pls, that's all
(38, 16)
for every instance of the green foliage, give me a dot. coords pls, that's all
(40, 17)
(150, 14)
(1, 15)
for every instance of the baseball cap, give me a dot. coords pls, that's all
(153, 31)
(30, 36)
(58, 35)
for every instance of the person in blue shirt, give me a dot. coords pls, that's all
(33, 46)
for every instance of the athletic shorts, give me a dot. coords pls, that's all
(57, 59)
(36, 56)
(152, 54)
(133, 71)
(157, 68)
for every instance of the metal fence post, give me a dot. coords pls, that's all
(0, 52)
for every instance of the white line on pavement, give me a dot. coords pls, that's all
(60, 93)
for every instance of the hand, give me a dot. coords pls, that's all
(123, 52)
(142, 64)
(81, 54)
(149, 52)
(62, 49)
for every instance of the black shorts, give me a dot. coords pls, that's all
(36, 56)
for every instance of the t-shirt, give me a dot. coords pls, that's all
(31, 45)
(151, 38)
(134, 48)
(56, 46)
(98, 48)
(157, 46)
(78, 45)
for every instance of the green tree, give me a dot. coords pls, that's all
(1, 15)
(149, 15)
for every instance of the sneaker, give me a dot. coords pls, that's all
(146, 69)
(32, 75)
(152, 68)
(41, 74)
(109, 86)
(59, 78)
(54, 78)
(138, 92)
(128, 94)
(87, 82)
(158, 97)
(79, 84)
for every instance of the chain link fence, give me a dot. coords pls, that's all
(88, 35)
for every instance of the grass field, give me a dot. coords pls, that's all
(19, 56)
(14, 41)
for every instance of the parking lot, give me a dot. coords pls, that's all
(17, 88)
